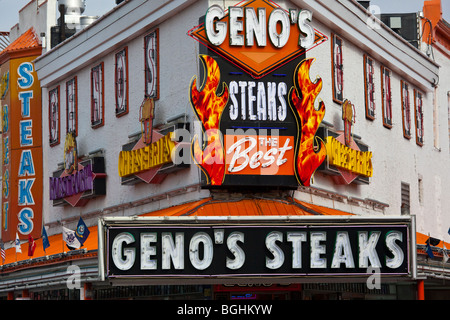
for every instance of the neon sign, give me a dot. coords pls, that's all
(156, 154)
(258, 36)
(355, 161)
(256, 101)
(66, 186)
(79, 179)
(254, 248)
(348, 160)
(22, 149)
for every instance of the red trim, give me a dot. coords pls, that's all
(420, 290)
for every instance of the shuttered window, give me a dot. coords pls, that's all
(405, 195)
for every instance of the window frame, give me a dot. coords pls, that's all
(337, 41)
(75, 106)
(100, 69)
(418, 95)
(406, 108)
(56, 141)
(122, 111)
(154, 34)
(386, 100)
(369, 87)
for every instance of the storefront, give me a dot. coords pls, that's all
(213, 153)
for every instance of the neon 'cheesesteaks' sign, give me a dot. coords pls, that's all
(156, 154)
(341, 156)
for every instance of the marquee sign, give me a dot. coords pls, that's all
(202, 249)
(79, 180)
(256, 101)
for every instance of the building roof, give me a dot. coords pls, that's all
(247, 207)
(27, 44)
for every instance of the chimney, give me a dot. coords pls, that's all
(62, 22)
(365, 4)
(432, 10)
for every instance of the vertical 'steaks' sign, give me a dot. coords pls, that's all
(80, 179)
(22, 162)
(26, 167)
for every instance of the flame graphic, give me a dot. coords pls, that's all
(209, 106)
(310, 150)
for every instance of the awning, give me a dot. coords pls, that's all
(246, 207)
(421, 241)
(57, 246)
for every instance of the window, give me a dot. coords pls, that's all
(97, 96)
(337, 69)
(71, 106)
(121, 79)
(53, 116)
(387, 97)
(151, 45)
(369, 87)
(418, 116)
(406, 110)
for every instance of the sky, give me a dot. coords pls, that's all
(408, 6)
(9, 9)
